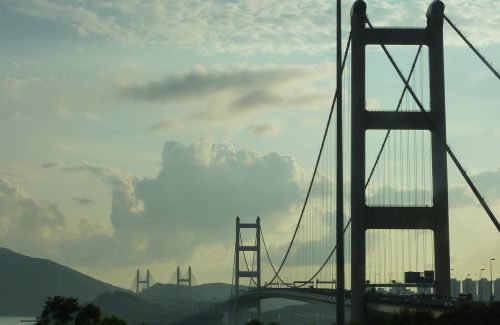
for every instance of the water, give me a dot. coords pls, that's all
(26, 320)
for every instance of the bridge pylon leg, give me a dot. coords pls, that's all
(365, 217)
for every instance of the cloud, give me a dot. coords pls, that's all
(201, 81)
(52, 164)
(193, 201)
(125, 207)
(460, 196)
(32, 96)
(83, 200)
(229, 92)
(210, 26)
(40, 228)
(90, 116)
(169, 123)
(265, 129)
(27, 224)
(216, 26)
(188, 208)
(16, 172)
(488, 182)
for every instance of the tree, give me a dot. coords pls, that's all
(58, 310)
(62, 310)
(89, 314)
(113, 320)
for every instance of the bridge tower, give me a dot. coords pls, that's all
(238, 273)
(365, 217)
(184, 281)
(139, 281)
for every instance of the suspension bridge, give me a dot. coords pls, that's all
(184, 281)
(375, 214)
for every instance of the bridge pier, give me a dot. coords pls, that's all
(238, 273)
(183, 281)
(139, 281)
(366, 217)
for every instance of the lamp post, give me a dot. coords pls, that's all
(481, 285)
(491, 280)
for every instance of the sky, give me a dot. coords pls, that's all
(134, 132)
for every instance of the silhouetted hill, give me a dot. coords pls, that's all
(204, 292)
(25, 283)
(133, 309)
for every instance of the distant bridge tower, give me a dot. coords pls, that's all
(238, 273)
(139, 281)
(184, 281)
(366, 217)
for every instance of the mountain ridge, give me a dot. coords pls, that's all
(26, 282)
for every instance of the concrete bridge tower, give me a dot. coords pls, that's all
(365, 217)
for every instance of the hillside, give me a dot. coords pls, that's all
(134, 309)
(25, 282)
(205, 292)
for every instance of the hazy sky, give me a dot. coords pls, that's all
(133, 132)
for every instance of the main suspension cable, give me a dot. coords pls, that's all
(270, 261)
(366, 185)
(419, 104)
(448, 149)
(372, 171)
(472, 47)
(315, 169)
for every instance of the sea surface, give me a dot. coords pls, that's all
(27, 320)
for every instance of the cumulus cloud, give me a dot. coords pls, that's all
(39, 228)
(27, 224)
(245, 26)
(125, 206)
(188, 207)
(193, 201)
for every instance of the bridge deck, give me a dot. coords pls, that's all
(384, 303)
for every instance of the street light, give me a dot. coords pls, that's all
(491, 280)
(481, 285)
